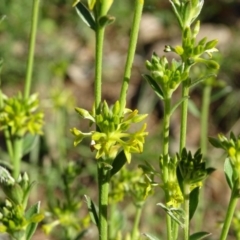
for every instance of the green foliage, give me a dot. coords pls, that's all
(15, 219)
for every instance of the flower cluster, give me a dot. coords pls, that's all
(14, 218)
(232, 148)
(168, 76)
(20, 115)
(135, 183)
(191, 52)
(192, 169)
(111, 135)
(172, 186)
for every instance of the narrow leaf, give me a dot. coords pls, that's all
(193, 109)
(86, 15)
(106, 20)
(175, 213)
(92, 210)
(177, 104)
(118, 163)
(199, 235)
(150, 236)
(180, 178)
(31, 228)
(153, 85)
(193, 202)
(222, 93)
(81, 235)
(203, 78)
(29, 142)
(215, 142)
(228, 170)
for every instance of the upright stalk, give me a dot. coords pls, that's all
(17, 155)
(131, 51)
(230, 211)
(184, 113)
(186, 210)
(103, 175)
(204, 117)
(164, 165)
(135, 232)
(103, 181)
(98, 67)
(34, 20)
(18, 141)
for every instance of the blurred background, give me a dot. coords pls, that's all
(64, 73)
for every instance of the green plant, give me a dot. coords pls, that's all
(18, 221)
(113, 139)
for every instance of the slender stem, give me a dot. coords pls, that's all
(184, 111)
(204, 117)
(230, 211)
(35, 11)
(135, 232)
(203, 144)
(186, 210)
(98, 67)
(8, 143)
(131, 51)
(17, 155)
(103, 186)
(166, 128)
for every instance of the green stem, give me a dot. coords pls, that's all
(164, 164)
(17, 155)
(184, 113)
(103, 186)
(204, 118)
(230, 211)
(35, 11)
(135, 232)
(131, 51)
(186, 210)
(98, 67)
(8, 143)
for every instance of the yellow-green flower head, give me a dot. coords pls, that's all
(112, 135)
(168, 76)
(21, 116)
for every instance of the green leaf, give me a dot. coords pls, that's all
(193, 109)
(86, 15)
(203, 78)
(215, 142)
(118, 163)
(81, 235)
(31, 228)
(193, 201)
(199, 235)
(29, 142)
(150, 236)
(106, 20)
(180, 178)
(228, 170)
(222, 93)
(92, 210)
(154, 85)
(175, 213)
(177, 104)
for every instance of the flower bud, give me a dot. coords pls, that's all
(211, 44)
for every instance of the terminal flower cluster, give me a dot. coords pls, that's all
(20, 115)
(112, 133)
(167, 76)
